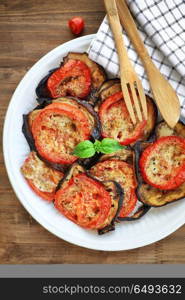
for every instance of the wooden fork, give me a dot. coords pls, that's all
(129, 79)
(164, 95)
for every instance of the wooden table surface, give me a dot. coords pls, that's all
(28, 30)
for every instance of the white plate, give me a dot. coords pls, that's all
(155, 225)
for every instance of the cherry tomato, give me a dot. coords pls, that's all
(76, 24)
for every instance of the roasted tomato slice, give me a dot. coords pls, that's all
(162, 164)
(122, 173)
(42, 179)
(73, 78)
(116, 122)
(84, 201)
(57, 129)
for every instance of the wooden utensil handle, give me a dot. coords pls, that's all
(113, 16)
(131, 29)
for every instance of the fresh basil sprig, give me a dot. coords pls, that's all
(84, 149)
(87, 149)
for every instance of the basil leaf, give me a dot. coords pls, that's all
(84, 149)
(97, 146)
(110, 145)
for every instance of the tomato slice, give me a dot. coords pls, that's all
(116, 122)
(129, 203)
(122, 173)
(73, 78)
(42, 179)
(84, 201)
(162, 164)
(57, 129)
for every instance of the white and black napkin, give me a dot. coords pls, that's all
(162, 27)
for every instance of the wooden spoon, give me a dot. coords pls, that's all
(164, 95)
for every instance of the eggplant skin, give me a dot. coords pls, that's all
(96, 133)
(138, 148)
(119, 198)
(87, 163)
(141, 211)
(152, 120)
(109, 88)
(106, 229)
(27, 133)
(43, 102)
(59, 167)
(74, 170)
(41, 89)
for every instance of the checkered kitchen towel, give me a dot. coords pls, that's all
(162, 27)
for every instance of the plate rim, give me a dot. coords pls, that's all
(40, 219)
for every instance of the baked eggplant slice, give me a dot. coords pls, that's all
(42, 179)
(57, 129)
(126, 154)
(122, 173)
(88, 110)
(81, 107)
(115, 119)
(77, 76)
(85, 107)
(98, 75)
(156, 198)
(109, 88)
(149, 195)
(88, 202)
(162, 164)
(132, 209)
(72, 78)
(26, 130)
(162, 129)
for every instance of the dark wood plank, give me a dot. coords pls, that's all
(28, 30)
